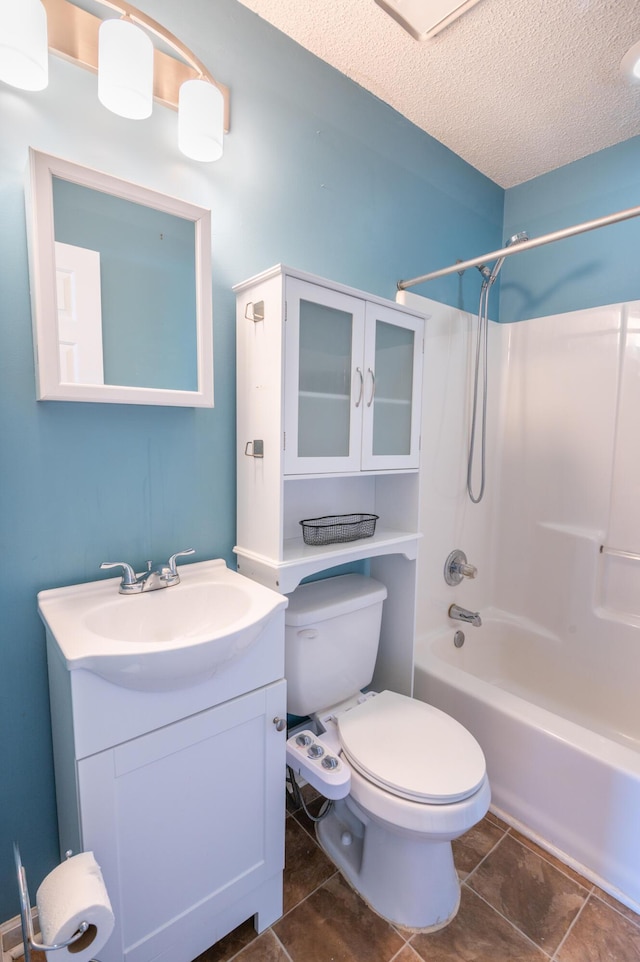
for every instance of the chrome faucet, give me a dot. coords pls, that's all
(456, 568)
(462, 614)
(162, 576)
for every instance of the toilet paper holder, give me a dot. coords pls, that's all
(26, 921)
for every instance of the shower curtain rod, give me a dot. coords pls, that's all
(556, 235)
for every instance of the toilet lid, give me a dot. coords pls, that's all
(411, 749)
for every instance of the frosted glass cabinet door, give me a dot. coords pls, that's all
(392, 389)
(324, 380)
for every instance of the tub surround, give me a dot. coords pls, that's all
(562, 395)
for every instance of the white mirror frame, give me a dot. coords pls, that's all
(42, 272)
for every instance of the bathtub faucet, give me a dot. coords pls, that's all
(462, 614)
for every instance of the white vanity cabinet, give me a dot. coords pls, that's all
(180, 795)
(329, 383)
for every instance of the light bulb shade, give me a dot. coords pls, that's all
(125, 69)
(630, 64)
(200, 120)
(24, 51)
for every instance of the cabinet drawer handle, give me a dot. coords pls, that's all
(358, 402)
(373, 387)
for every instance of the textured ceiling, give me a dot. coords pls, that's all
(515, 87)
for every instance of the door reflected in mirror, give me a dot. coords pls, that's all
(79, 305)
(121, 287)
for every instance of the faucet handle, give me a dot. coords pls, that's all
(179, 554)
(128, 574)
(456, 568)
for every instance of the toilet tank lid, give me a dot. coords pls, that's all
(331, 597)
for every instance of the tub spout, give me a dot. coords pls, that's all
(462, 614)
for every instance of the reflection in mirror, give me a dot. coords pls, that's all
(121, 283)
(146, 264)
(79, 304)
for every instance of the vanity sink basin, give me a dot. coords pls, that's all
(159, 640)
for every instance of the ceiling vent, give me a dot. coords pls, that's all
(423, 19)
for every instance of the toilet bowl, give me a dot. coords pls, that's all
(418, 781)
(417, 777)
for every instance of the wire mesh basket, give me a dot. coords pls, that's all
(336, 528)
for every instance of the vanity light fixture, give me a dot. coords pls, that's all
(125, 69)
(630, 63)
(200, 120)
(131, 70)
(24, 61)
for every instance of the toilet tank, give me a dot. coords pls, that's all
(332, 630)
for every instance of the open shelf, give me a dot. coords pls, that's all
(300, 560)
(296, 551)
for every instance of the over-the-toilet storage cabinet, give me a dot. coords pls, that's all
(329, 383)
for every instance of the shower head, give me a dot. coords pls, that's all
(489, 275)
(514, 239)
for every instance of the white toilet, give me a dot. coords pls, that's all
(417, 777)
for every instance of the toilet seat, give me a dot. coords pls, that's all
(411, 749)
(403, 815)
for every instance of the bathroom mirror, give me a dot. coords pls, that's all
(121, 289)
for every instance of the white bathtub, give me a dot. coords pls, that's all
(562, 746)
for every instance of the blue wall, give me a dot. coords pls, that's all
(316, 173)
(595, 268)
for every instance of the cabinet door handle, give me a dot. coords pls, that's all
(373, 387)
(280, 723)
(359, 401)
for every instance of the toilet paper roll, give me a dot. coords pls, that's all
(73, 893)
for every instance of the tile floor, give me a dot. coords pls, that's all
(519, 904)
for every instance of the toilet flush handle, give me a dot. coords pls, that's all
(308, 634)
